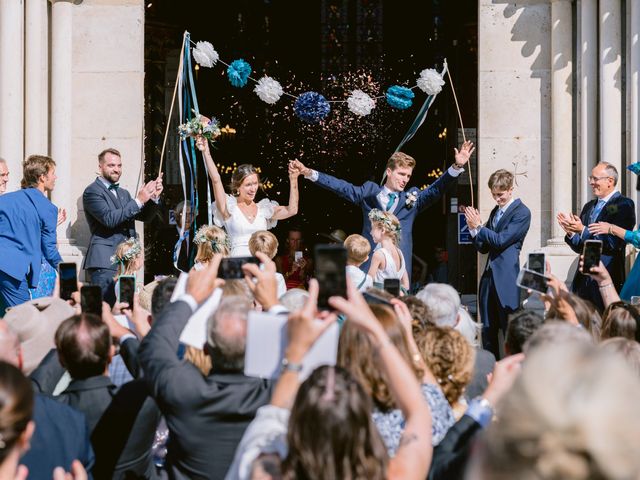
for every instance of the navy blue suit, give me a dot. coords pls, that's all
(28, 222)
(111, 221)
(620, 211)
(61, 436)
(366, 197)
(498, 292)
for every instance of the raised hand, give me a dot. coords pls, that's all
(463, 155)
(147, 191)
(62, 216)
(473, 217)
(304, 171)
(202, 283)
(294, 172)
(202, 144)
(159, 188)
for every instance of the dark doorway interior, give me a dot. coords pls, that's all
(329, 46)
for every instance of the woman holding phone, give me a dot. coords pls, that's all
(239, 213)
(631, 285)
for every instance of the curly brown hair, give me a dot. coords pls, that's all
(357, 354)
(450, 358)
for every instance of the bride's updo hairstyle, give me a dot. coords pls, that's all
(240, 174)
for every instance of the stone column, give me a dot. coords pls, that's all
(634, 84)
(11, 88)
(610, 20)
(36, 79)
(588, 123)
(561, 114)
(61, 115)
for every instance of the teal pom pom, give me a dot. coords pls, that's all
(311, 107)
(400, 97)
(635, 168)
(238, 73)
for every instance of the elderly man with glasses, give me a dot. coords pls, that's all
(608, 206)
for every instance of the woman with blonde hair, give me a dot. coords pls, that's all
(387, 261)
(210, 240)
(239, 213)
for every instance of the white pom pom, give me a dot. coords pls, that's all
(205, 54)
(269, 90)
(430, 81)
(360, 103)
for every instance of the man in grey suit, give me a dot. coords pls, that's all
(111, 214)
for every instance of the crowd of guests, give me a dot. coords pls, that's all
(412, 393)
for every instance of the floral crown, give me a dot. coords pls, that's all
(216, 245)
(134, 250)
(386, 218)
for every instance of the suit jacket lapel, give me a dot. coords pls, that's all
(491, 217)
(401, 202)
(602, 212)
(508, 213)
(107, 194)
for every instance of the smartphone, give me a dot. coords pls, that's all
(373, 299)
(91, 299)
(331, 272)
(126, 289)
(591, 252)
(231, 268)
(530, 280)
(297, 256)
(68, 275)
(537, 262)
(392, 286)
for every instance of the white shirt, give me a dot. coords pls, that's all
(359, 277)
(474, 231)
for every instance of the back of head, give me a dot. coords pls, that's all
(450, 358)
(294, 299)
(571, 415)
(522, 325)
(556, 332)
(621, 319)
(358, 249)
(357, 354)
(468, 328)
(162, 295)
(16, 407)
(211, 240)
(387, 222)
(331, 434)
(264, 242)
(238, 288)
(419, 313)
(33, 168)
(584, 310)
(126, 255)
(227, 334)
(442, 303)
(628, 350)
(84, 345)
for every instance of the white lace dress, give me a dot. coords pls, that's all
(238, 226)
(390, 270)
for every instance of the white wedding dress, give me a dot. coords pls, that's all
(238, 226)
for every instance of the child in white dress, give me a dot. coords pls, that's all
(210, 240)
(267, 243)
(387, 260)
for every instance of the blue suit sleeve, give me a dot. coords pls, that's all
(342, 188)
(514, 231)
(49, 238)
(96, 205)
(434, 192)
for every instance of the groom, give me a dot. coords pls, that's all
(391, 196)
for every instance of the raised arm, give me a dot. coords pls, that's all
(342, 188)
(219, 194)
(95, 204)
(290, 210)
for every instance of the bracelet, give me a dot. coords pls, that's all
(611, 230)
(610, 284)
(287, 366)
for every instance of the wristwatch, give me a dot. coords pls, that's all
(286, 365)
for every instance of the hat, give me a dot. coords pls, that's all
(35, 323)
(337, 235)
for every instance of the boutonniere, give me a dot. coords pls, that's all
(412, 198)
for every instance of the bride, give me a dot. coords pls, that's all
(238, 213)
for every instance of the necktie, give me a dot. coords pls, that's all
(114, 186)
(497, 218)
(392, 199)
(596, 210)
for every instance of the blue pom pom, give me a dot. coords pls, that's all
(238, 73)
(311, 107)
(400, 97)
(635, 168)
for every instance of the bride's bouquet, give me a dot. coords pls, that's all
(200, 125)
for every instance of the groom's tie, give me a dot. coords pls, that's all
(392, 199)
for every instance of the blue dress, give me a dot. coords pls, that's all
(46, 281)
(631, 286)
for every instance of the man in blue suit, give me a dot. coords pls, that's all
(501, 237)
(28, 222)
(391, 196)
(111, 214)
(608, 206)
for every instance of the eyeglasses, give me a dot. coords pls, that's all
(596, 179)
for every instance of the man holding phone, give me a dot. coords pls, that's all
(502, 238)
(608, 206)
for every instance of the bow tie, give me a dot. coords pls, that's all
(114, 186)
